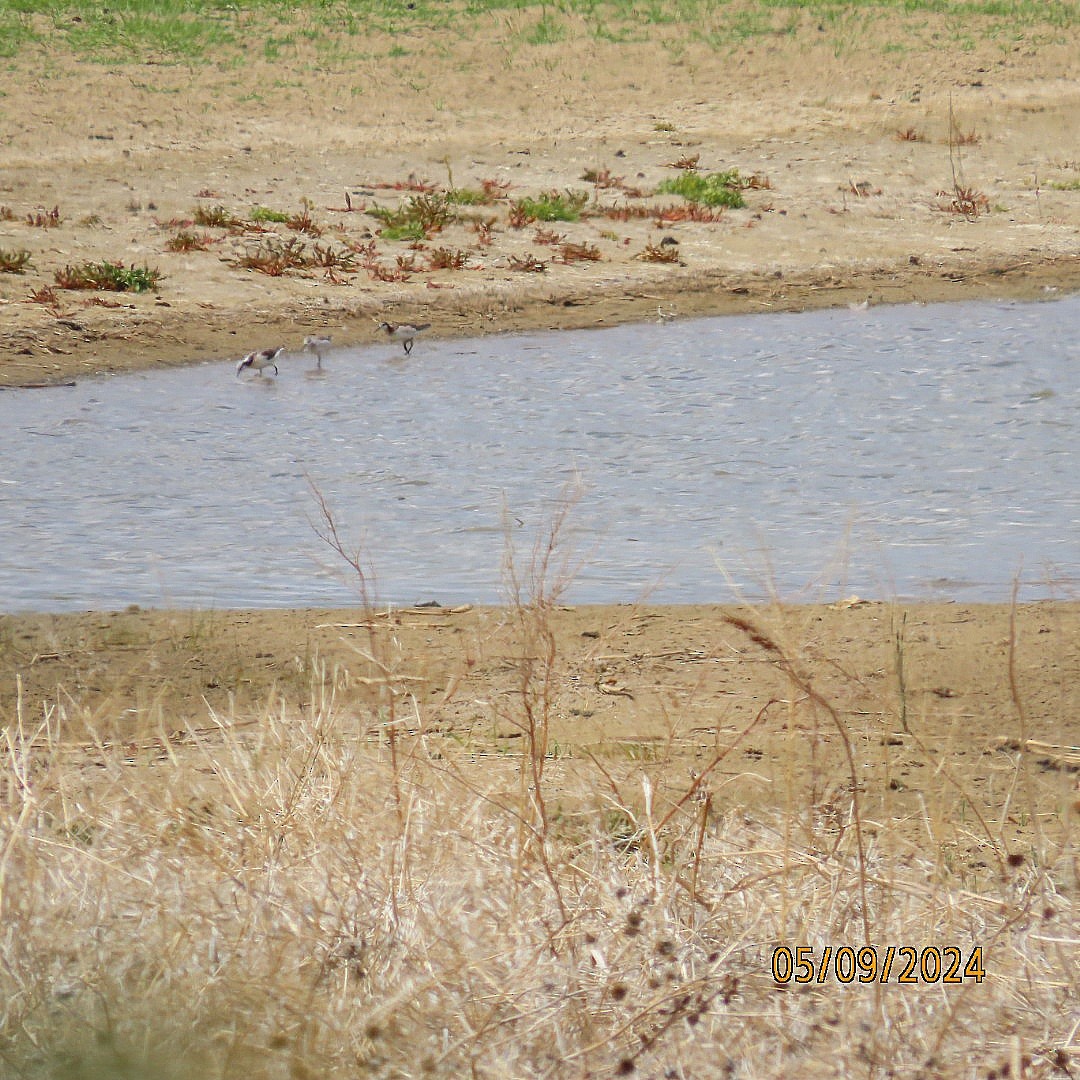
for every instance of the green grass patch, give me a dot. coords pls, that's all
(201, 31)
(263, 214)
(550, 206)
(468, 197)
(546, 31)
(416, 219)
(407, 230)
(108, 276)
(713, 189)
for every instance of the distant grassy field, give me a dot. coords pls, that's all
(172, 31)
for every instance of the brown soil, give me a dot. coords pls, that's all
(853, 212)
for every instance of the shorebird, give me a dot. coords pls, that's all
(316, 343)
(263, 358)
(404, 332)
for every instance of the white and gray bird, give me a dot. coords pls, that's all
(260, 359)
(318, 344)
(404, 332)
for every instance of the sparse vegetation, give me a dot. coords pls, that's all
(713, 189)
(44, 219)
(548, 237)
(527, 264)
(303, 221)
(965, 138)
(185, 240)
(329, 258)
(571, 253)
(447, 259)
(418, 218)
(658, 253)
(964, 200)
(664, 215)
(196, 35)
(602, 178)
(45, 295)
(548, 206)
(215, 217)
(108, 276)
(14, 261)
(275, 257)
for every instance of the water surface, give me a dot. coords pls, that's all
(898, 451)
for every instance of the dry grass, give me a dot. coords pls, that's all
(332, 894)
(657, 253)
(362, 891)
(186, 240)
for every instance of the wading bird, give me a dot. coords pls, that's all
(317, 343)
(263, 358)
(404, 332)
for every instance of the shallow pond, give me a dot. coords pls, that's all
(895, 451)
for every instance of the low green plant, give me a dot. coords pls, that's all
(408, 230)
(546, 31)
(14, 262)
(467, 197)
(712, 189)
(416, 219)
(108, 276)
(263, 214)
(549, 206)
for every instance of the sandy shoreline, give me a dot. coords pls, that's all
(69, 349)
(971, 683)
(133, 670)
(857, 166)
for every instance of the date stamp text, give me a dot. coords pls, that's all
(871, 963)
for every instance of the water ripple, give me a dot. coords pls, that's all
(894, 451)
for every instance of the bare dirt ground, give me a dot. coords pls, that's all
(853, 211)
